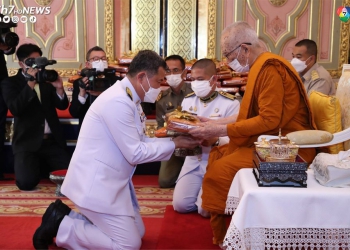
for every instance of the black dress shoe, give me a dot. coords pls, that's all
(63, 207)
(51, 220)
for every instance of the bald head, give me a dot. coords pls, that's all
(236, 34)
(207, 64)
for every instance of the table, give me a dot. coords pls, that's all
(286, 217)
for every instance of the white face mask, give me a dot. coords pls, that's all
(152, 94)
(100, 65)
(201, 87)
(236, 66)
(174, 80)
(298, 64)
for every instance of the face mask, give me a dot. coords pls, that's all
(236, 66)
(299, 65)
(100, 65)
(24, 66)
(152, 94)
(174, 80)
(201, 88)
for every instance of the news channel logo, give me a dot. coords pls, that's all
(343, 13)
(24, 15)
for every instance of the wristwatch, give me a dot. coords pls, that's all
(217, 142)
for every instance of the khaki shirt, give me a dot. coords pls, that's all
(168, 101)
(317, 78)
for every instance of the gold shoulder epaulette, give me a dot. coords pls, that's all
(227, 95)
(129, 93)
(314, 75)
(190, 94)
(159, 96)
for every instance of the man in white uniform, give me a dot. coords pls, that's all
(110, 145)
(205, 101)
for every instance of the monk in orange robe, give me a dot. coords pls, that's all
(275, 98)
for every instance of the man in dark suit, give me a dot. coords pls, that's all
(38, 136)
(3, 110)
(82, 96)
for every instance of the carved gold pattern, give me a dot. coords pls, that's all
(211, 28)
(145, 24)
(109, 29)
(277, 25)
(46, 25)
(277, 3)
(67, 72)
(344, 46)
(43, 2)
(182, 28)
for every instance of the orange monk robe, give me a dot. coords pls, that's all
(275, 98)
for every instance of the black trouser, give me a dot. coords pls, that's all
(31, 166)
(3, 114)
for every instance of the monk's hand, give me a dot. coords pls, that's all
(203, 119)
(186, 142)
(209, 142)
(208, 130)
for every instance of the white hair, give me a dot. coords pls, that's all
(236, 34)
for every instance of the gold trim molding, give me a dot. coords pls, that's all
(277, 3)
(43, 2)
(211, 29)
(109, 31)
(344, 46)
(67, 72)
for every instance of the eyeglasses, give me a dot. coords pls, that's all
(229, 53)
(173, 71)
(97, 59)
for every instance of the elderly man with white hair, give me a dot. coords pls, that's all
(275, 98)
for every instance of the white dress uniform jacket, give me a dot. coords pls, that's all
(218, 108)
(110, 145)
(188, 189)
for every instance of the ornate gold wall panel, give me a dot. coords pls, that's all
(344, 44)
(145, 25)
(264, 21)
(56, 32)
(182, 28)
(212, 28)
(109, 28)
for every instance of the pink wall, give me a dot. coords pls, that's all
(279, 31)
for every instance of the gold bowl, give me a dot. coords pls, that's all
(263, 148)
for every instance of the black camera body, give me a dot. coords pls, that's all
(98, 81)
(43, 75)
(8, 38)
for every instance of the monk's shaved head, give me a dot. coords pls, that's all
(236, 34)
(207, 64)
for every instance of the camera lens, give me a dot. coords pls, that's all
(50, 75)
(10, 39)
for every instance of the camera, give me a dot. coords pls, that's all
(43, 75)
(8, 38)
(98, 81)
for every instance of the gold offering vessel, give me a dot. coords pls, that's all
(277, 150)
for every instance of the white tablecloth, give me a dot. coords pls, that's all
(280, 217)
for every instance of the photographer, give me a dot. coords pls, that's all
(3, 110)
(82, 93)
(8, 42)
(38, 136)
